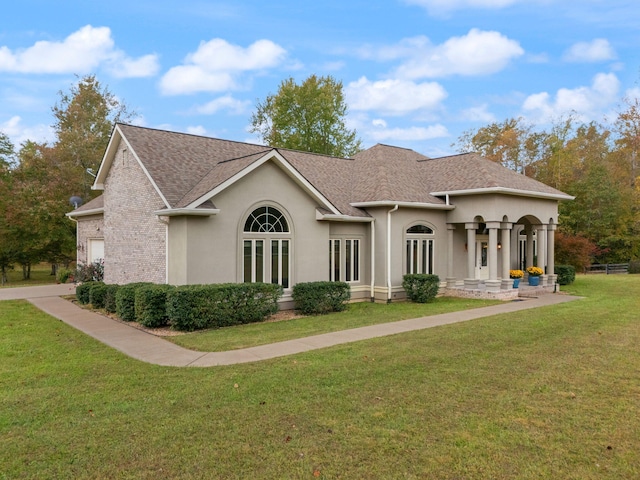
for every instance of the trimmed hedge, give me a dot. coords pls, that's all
(566, 274)
(126, 300)
(110, 297)
(151, 305)
(97, 293)
(317, 298)
(421, 288)
(634, 266)
(194, 307)
(82, 292)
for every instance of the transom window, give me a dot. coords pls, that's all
(267, 247)
(266, 219)
(419, 249)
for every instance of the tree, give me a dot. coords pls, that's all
(8, 247)
(308, 117)
(510, 143)
(84, 120)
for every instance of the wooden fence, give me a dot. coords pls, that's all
(608, 268)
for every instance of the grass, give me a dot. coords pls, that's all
(547, 393)
(356, 315)
(40, 275)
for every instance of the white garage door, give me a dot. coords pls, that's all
(96, 249)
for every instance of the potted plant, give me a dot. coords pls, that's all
(534, 275)
(516, 275)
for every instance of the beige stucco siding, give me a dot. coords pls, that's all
(500, 207)
(212, 246)
(134, 237)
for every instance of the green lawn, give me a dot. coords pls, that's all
(40, 275)
(356, 315)
(547, 393)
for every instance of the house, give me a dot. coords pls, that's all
(185, 209)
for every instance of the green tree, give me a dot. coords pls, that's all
(84, 119)
(8, 246)
(309, 117)
(510, 143)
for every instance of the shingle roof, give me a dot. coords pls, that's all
(186, 167)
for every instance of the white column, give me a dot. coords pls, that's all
(541, 234)
(506, 254)
(493, 284)
(451, 280)
(551, 262)
(471, 281)
(530, 254)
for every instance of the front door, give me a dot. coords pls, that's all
(482, 258)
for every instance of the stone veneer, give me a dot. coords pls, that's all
(134, 238)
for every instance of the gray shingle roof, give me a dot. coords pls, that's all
(186, 167)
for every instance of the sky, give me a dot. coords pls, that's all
(416, 73)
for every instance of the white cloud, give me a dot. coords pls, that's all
(81, 52)
(597, 50)
(216, 64)
(394, 97)
(227, 102)
(197, 130)
(19, 133)
(476, 53)
(408, 134)
(478, 114)
(585, 102)
(439, 7)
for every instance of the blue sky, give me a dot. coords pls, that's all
(416, 73)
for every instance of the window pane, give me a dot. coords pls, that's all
(285, 264)
(247, 261)
(409, 256)
(347, 254)
(275, 262)
(414, 254)
(425, 258)
(336, 260)
(430, 271)
(356, 260)
(259, 261)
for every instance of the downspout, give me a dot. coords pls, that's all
(373, 261)
(389, 252)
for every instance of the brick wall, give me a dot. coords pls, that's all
(88, 228)
(134, 238)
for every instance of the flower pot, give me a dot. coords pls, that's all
(516, 282)
(534, 280)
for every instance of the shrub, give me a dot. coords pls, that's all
(634, 266)
(566, 274)
(90, 272)
(125, 300)
(110, 298)
(82, 292)
(151, 305)
(97, 292)
(195, 307)
(420, 288)
(63, 274)
(317, 298)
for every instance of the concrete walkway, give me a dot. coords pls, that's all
(152, 349)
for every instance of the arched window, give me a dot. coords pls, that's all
(266, 219)
(267, 247)
(419, 249)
